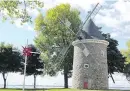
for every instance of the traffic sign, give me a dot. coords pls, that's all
(27, 51)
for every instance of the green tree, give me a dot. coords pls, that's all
(54, 37)
(126, 53)
(34, 64)
(116, 61)
(17, 9)
(10, 61)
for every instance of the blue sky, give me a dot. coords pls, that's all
(114, 18)
(10, 33)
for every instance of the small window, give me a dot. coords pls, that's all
(86, 65)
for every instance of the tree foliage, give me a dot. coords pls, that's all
(116, 61)
(10, 61)
(126, 53)
(54, 37)
(17, 9)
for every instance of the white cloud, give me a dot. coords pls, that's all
(124, 9)
(32, 12)
(117, 17)
(25, 26)
(18, 23)
(48, 4)
(114, 34)
(84, 4)
(30, 28)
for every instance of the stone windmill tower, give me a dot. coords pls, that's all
(90, 69)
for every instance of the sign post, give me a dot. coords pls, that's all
(27, 52)
(24, 72)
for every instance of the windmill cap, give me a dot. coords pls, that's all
(92, 30)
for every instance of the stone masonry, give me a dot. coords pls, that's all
(90, 64)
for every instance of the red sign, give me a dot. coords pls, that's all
(27, 51)
(85, 85)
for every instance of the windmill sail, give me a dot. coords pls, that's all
(79, 32)
(96, 11)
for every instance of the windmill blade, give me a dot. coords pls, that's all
(65, 25)
(96, 12)
(35, 52)
(90, 14)
(63, 53)
(87, 18)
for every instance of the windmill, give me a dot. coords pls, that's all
(81, 34)
(91, 14)
(88, 32)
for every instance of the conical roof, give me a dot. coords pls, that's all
(92, 30)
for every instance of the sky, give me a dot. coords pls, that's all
(113, 17)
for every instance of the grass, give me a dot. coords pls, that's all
(55, 90)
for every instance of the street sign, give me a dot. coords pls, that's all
(27, 51)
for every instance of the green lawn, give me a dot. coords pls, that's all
(57, 90)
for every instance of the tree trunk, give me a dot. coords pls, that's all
(4, 83)
(65, 76)
(34, 81)
(4, 78)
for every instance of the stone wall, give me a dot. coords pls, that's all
(90, 64)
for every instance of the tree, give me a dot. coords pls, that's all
(34, 64)
(116, 61)
(10, 61)
(17, 9)
(54, 37)
(126, 53)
